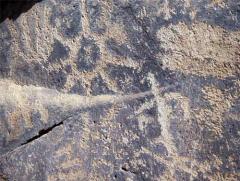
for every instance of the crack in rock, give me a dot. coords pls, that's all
(42, 133)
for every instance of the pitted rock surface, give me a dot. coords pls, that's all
(121, 90)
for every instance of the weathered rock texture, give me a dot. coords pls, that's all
(121, 90)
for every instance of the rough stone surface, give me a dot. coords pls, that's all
(121, 90)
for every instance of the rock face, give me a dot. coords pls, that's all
(121, 90)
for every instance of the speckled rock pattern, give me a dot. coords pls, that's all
(121, 90)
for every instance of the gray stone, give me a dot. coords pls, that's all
(120, 90)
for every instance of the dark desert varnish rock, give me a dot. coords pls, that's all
(119, 90)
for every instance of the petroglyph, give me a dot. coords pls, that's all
(32, 96)
(163, 116)
(120, 90)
